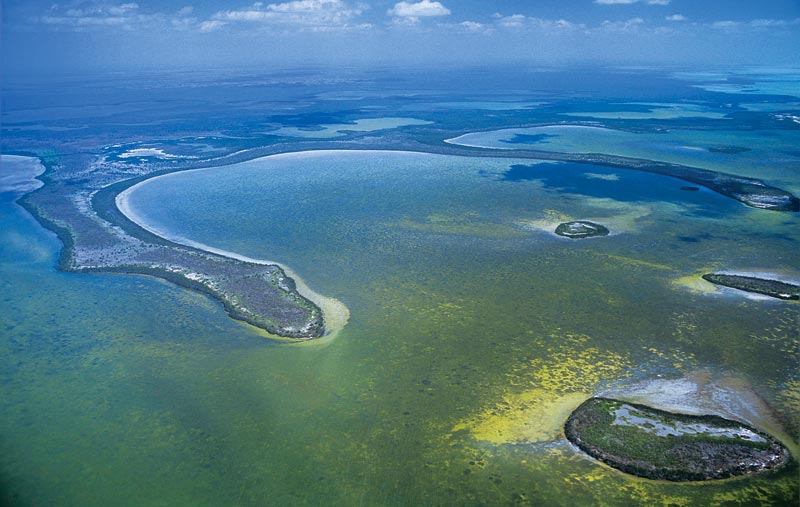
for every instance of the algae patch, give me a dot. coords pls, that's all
(551, 389)
(531, 416)
(616, 216)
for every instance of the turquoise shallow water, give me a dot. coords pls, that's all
(128, 391)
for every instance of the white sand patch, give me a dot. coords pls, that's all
(341, 129)
(18, 174)
(148, 152)
(622, 217)
(479, 139)
(605, 177)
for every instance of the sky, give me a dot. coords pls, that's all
(46, 36)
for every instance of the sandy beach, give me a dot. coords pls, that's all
(335, 313)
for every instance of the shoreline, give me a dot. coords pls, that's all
(706, 392)
(696, 283)
(335, 313)
(116, 210)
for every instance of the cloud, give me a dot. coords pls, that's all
(628, 2)
(513, 21)
(472, 26)
(122, 9)
(85, 15)
(676, 17)
(307, 14)
(627, 26)
(756, 24)
(725, 25)
(768, 23)
(211, 25)
(422, 9)
(517, 21)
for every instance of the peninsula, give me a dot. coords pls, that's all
(79, 202)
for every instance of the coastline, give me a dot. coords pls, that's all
(696, 283)
(115, 208)
(455, 141)
(335, 313)
(707, 392)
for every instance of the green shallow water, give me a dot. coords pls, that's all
(128, 391)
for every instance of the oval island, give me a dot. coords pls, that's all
(579, 229)
(656, 444)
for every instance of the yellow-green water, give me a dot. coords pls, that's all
(472, 332)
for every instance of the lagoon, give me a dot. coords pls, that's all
(473, 328)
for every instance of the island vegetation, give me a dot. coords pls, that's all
(656, 444)
(78, 203)
(579, 229)
(768, 287)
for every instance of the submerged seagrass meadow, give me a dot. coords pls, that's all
(153, 354)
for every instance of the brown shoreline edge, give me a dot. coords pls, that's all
(98, 238)
(655, 444)
(766, 286)
(270, 301)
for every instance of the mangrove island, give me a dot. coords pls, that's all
(656, 444)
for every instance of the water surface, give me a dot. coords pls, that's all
(471, 324)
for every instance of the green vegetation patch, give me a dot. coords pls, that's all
(581, 229)
(655, 444)
(772, 288)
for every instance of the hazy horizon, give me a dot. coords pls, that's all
(42, 37)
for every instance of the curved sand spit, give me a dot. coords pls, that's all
(334, 312)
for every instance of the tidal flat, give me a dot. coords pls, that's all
(473, 330)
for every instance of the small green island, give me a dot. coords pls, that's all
(656, 444)
(773, 288)
(579, 229)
